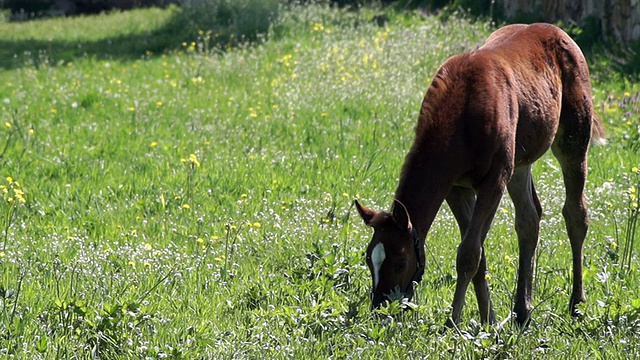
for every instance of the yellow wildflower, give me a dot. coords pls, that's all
(20, 198)
(193, 159)
(317, 26)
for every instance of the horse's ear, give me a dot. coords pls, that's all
(365, 213)
(401, 215)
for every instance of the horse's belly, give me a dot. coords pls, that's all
(533, 139)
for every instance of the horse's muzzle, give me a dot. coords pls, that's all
(378, 300)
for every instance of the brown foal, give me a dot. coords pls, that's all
(486, 117)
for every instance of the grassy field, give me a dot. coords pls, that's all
(187, 203)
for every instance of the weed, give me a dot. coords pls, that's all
(632, 212)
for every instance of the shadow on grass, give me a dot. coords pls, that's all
(179, 28)
(35, 52)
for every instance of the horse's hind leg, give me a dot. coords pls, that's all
(570, 148)
(528, 212)
(577, 221)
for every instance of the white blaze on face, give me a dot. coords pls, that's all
(377, 257)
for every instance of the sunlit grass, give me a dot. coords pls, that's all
(198, 204)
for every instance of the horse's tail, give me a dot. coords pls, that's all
(598, 133)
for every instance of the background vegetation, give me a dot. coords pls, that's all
(194, 200)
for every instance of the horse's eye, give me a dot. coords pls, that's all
(400, 266)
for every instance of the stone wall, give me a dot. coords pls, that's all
(621, 18)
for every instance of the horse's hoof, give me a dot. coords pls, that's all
(523, 320)
(449, 324)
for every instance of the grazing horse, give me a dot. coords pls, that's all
(486, 117)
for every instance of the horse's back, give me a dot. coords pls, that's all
(539, 47)
(524, 39)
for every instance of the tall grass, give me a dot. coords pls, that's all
(197, 204)
(231, 21)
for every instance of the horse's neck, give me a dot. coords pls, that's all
(422, 189)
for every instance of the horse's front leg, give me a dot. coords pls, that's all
(471, 262)
(481, 287)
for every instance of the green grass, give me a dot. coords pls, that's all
(182, 203)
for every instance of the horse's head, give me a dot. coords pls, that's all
(395, 255)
